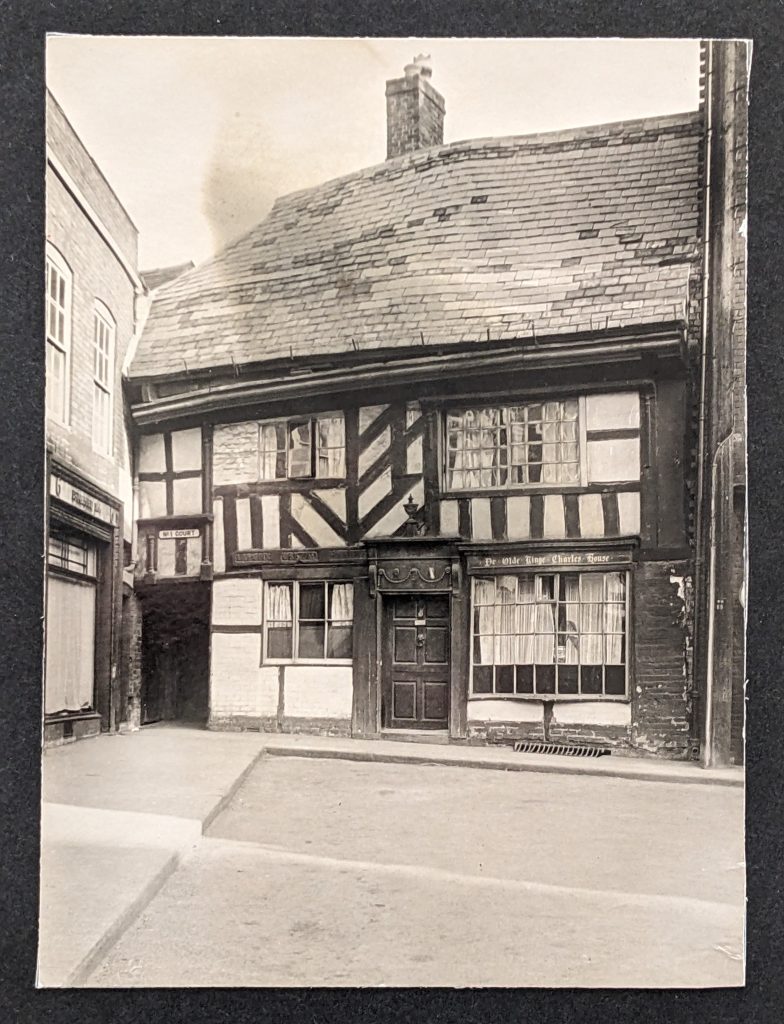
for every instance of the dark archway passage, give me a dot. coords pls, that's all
(175, 653)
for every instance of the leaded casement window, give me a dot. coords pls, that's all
(103, 376)
(306, 448)
(513, 446)
(58, 334)
(550, 635)
(308, 622)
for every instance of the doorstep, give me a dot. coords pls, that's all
(458, 755)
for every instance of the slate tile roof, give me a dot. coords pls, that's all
(555, 232)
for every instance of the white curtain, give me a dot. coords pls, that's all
(591, 618)
(279, 603)
(70, 645)
(550, 439)
(331, 446)
(484, 601)
(615, 615)
(572, 614)
(341, 605)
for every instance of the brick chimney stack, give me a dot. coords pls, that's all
(415, 110)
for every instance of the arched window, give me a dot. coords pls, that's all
(103, 379)
(58, 334)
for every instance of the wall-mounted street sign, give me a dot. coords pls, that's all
(550, 559)
(79, 499)
(176, 534)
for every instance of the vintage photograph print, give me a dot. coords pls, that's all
(396, 512)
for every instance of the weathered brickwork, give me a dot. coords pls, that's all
(415, 116)
(131, 659)
(96, 276)
(80, 166)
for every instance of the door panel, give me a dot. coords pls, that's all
(415, 678)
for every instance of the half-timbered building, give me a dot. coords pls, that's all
(417, 453)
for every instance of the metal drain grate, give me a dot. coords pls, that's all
(569, 750)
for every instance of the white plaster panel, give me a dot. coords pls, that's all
(612, 411)
(591, 515)
(316, 527)
(615, 460)
(505, 711)
(152, 455)
(270, 520)
(186, 449)
(592, 713)
(186, 495)
(335, 499)
(236, 602)
(518, 517)
(374, 450)
(554, 526)
(481, 524)
(318, 691)
(372, 495)
(449, 519)
(414, 456)
(244, 540)
(369, 413)
(235, 453)
(218, 545)
(629, 512)
(165, 557)
(152, 498)
(238, 685)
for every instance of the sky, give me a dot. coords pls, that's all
(199, 135)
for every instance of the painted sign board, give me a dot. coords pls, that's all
(74, 496)
(550, 559)
(177, 534)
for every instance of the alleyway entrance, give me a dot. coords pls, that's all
(175, 653)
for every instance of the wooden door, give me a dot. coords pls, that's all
(415, 677)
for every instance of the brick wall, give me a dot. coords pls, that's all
(78, 163)
(131, 660)
(96, 275)
(662, 622)
(415, 116)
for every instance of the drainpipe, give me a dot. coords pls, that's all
(707, 749)
(699, 560)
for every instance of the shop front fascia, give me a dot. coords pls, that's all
(84, 602)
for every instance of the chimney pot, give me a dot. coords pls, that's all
(415, 110)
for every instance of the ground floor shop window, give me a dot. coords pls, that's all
(307, 622)
(70, 623)
(550, 635)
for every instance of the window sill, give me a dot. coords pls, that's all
(310, 663)
(596, 698)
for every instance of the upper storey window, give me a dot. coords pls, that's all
(302, 449)
(58, 334)
(517, 445)
(103, 374)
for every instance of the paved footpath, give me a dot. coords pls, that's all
(123, 809)
(334, 872)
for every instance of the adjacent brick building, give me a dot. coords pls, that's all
(91, 291)
(420, 451)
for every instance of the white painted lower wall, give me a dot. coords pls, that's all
(592, 713)
(318, 691)
(239, 685)
(236, 602)
(504, 711)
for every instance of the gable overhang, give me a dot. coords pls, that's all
(206, 398)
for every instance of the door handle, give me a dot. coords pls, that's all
(420, 640)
